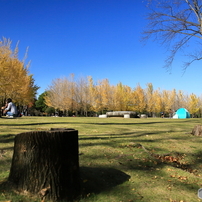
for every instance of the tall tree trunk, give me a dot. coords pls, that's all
(46, 163)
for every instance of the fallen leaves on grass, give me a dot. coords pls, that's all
(179, 177)
(169, 169)
(174, 159)
(168, 158)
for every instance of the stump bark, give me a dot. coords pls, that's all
(46, 163)
(197, 130)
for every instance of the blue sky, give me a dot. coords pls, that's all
(98, 38)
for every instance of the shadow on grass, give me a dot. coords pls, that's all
(7, 138)
(138, 123)
(118, 135)
(32, 124)
(93, 181)
(9, 194)
(99, 179)
(84, 123)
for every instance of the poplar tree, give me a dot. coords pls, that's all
(150, 102)
(58, 95)
(193, 104)
(140, 99)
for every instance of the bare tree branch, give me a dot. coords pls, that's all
(174, 23)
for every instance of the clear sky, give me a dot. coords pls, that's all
(98, 38)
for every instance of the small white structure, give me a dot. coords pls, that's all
(131, 114)
(126, 115)
(143, 116)
(103, 116)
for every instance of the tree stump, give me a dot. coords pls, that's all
(197, 130)
(46, 163)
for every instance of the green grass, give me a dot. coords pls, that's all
(113, 167)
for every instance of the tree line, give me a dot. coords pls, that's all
(86, 97)
(83, 96)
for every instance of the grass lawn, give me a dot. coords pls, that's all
(121, 160)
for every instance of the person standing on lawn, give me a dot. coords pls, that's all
(10, 108)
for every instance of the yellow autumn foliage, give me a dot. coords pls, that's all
(87, 95)
(15, 81)
(193, 104)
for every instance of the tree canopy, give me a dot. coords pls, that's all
(15, 80)
(40, 103)
(85, 95)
